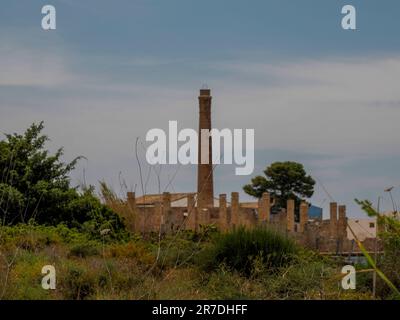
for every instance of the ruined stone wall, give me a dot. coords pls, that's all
(321, 235)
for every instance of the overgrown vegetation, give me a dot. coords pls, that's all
(113, 269)
(388, 265)
(35, 186)
(241, 248)
(45, 221)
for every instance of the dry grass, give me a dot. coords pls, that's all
(128, 270)
(119, 206)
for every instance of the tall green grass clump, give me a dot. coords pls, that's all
(241, 248)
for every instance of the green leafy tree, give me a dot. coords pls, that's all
(35, 185)
(284, 180)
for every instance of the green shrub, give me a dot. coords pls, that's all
(300, 280)
(34, 237)
(86, 249)
(177, 252)
(135, 250)
(239, 248)
(88, 214)
(24, 278)
(36, 186)
(225, 284)
(79, 284)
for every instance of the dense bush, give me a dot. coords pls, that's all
(86, 249)
(79, 284)
(35, 186)
(176, 252)
(136, 250)
(87, 214)
(33, 237)
(239, 249)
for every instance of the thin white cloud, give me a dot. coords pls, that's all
(325, 106)
(27, 66)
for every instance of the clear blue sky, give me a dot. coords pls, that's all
(112, 70)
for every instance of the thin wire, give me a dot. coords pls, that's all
(323, 188)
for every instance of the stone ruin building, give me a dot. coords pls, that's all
(169, 212)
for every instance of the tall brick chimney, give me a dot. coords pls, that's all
(205, 183)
